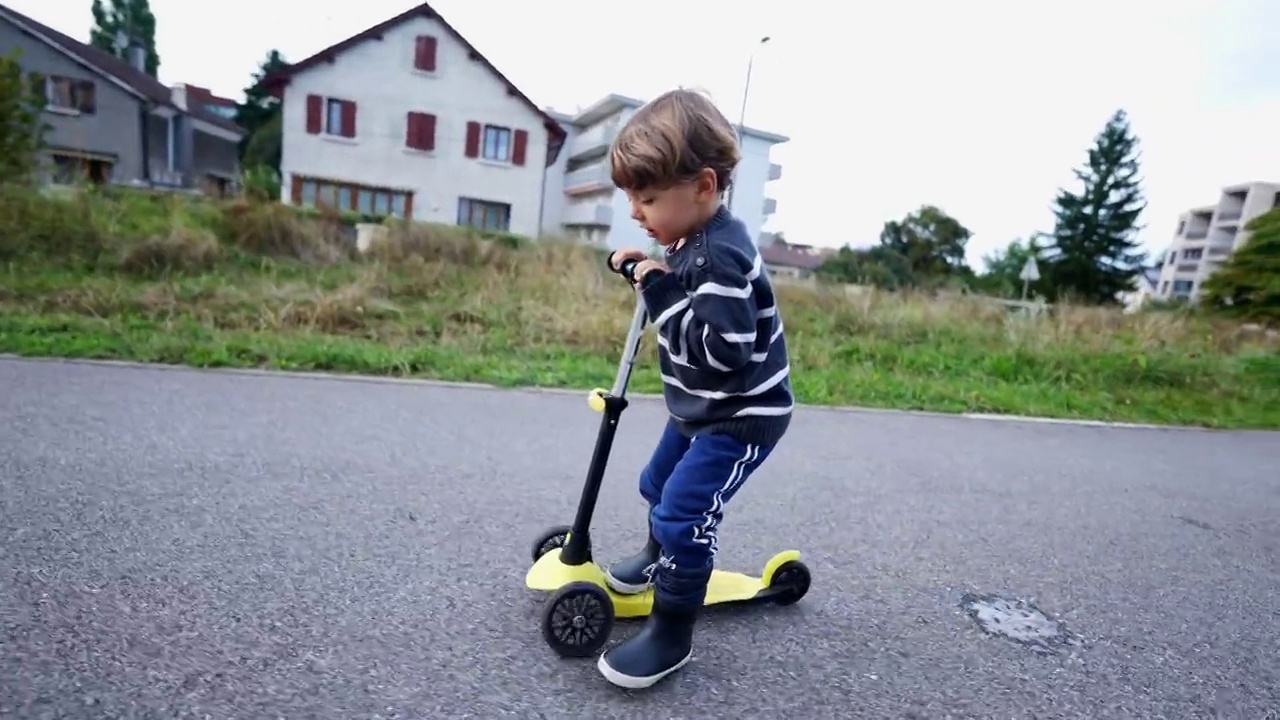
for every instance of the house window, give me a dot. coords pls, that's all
(64, 93)
(1182, 287)
(353, 197)
(1192, 254)
(71, 169)
(497, 143)
(333, 116)
(483, 214)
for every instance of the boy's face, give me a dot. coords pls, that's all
(671, 213)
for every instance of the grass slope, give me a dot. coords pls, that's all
(238, 283)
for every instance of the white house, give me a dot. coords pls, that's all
(580, 199)
(408, 119)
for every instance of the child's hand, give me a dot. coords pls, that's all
(621, 256)
(645, 266)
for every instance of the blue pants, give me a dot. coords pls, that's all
(687, 484)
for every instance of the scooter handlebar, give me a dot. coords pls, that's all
(628, 270)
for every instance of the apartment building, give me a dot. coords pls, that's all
(579, 199)
(1208, 235)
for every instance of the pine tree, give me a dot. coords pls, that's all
(1094, 254)
(134, 19)
(259, 115)
(1247, 285)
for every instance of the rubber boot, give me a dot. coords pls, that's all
(663, 645)
(635, 574)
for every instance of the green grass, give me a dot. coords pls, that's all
(243, 284)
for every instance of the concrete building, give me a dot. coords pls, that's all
(408, 119)
(580, 200)
(1208, 235)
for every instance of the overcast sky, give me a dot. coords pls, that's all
(982, 108)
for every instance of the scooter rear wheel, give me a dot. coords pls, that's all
(549, 540)
(577, 620)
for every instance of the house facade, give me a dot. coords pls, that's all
(581, 202)
(1207, 236)
(109, 121)
(407, 119)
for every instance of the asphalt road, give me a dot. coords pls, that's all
(181, 544)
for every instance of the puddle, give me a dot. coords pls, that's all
(1018, 620)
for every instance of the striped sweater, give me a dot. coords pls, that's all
(721, 349)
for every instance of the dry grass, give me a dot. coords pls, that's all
(240, 282)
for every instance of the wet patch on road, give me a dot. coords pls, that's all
(1019, 620)
(1194, 522)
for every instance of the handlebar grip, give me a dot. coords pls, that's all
(628, 269)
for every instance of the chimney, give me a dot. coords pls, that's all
(137, 55)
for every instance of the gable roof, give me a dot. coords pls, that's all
(129, 78)
(276, 81)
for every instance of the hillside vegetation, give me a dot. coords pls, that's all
(153, 277)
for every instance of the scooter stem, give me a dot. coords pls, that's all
(631, 348)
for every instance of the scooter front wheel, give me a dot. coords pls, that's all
(578, 619)
(795, 578)
(550, 539)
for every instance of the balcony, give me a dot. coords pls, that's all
(1229, 215)
(595, 141)
(775, 171)
(1191, 267)
(591, 178)
(594, 214)
(1197, 234)
(770, 206)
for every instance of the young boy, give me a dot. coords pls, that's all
(723, 361)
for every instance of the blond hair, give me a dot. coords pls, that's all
(670, 140)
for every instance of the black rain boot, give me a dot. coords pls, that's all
(635, 574)
(665, 643)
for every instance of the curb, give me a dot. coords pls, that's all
(425, 382)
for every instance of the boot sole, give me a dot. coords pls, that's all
(637, 683)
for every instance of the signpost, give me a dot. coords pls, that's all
(1030, 273)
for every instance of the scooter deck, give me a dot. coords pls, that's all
(548, 574)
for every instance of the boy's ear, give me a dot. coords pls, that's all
(706, 184)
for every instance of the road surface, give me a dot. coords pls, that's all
(184, 544)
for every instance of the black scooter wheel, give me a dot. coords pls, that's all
(792, 580)
(577, 620)
(549, 540)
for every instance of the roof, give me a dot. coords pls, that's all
(277, 80)
(613, 102)
(133, 80)
(206, 96)
(804, 257)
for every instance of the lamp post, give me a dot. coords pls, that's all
(742, 116)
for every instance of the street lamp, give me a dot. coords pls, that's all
(742, 116)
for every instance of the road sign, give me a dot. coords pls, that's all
(1030, 271)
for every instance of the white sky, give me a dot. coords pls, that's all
(982, 107)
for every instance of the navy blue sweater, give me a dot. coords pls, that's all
(721, 349)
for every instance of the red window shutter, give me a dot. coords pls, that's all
(424, 53)
(428, 131)
(473, 139)
(314, 103)
(348, 119)
(519, 147)
(411, 130)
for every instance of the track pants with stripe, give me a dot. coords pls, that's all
(687, 484)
